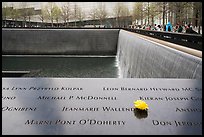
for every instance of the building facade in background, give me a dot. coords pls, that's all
(100, 14)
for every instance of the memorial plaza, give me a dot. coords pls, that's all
(101, 68)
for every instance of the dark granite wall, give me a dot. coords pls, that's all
(137, 57)
(60, 41)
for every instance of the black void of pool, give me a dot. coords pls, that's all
(92, 53)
